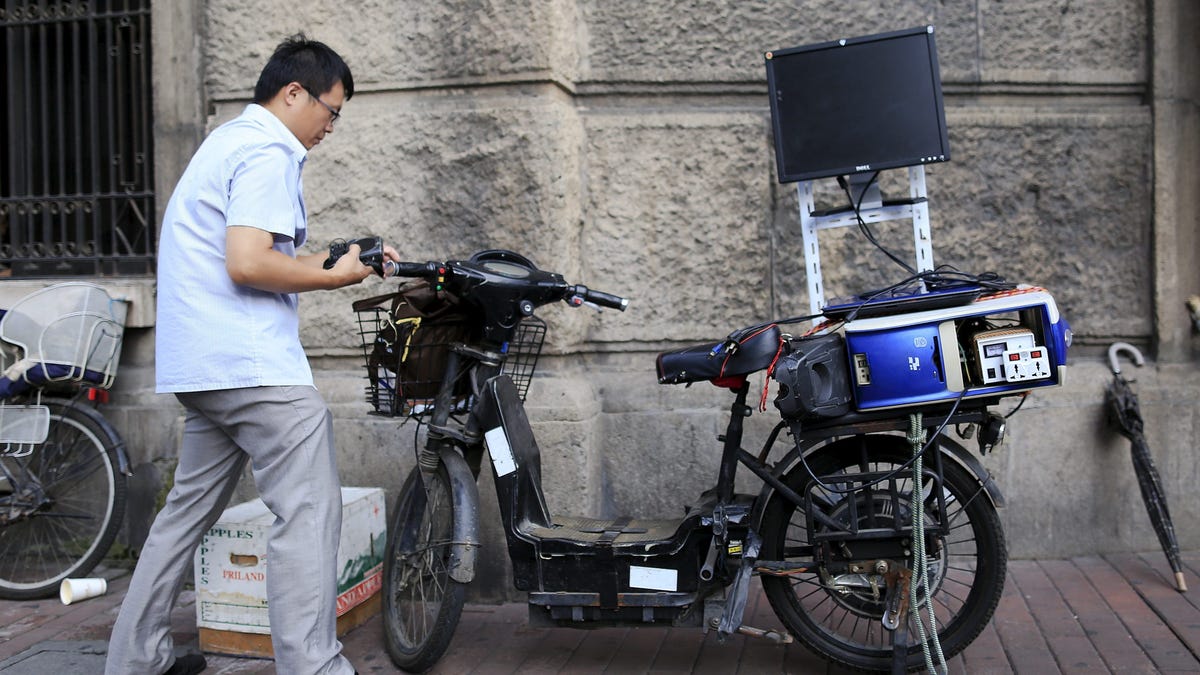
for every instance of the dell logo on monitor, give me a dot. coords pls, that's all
(863, 167)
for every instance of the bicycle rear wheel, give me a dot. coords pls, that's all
(421, 603)
(839, 615)
(60, 506)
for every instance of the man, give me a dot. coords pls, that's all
(227, 345)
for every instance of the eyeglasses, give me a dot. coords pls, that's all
(334, 115)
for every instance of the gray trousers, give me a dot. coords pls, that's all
(287, 434)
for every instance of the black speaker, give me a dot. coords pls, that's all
(814, 379)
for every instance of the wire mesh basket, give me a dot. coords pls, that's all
(523, 353)
(406, 359)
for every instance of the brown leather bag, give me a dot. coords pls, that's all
(416, 326)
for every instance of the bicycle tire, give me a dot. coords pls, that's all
(421, 603)
(967, 577)
(80, 504)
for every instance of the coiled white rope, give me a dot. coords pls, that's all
(916, 438)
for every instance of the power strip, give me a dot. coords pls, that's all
(1026, 364)
(1009, 355)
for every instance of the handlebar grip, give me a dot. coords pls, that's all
(608, 300)
(581, 294)
(413, 269)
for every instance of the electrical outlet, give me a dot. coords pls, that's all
(1026, 364)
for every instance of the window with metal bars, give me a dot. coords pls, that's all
(76, 146)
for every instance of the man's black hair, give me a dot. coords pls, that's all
(297, 59)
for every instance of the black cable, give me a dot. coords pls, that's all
(784, 322)
(948, 276)
(943, 277)
(862, 224)
(892, 474)
(731, 340)
(1020, 403)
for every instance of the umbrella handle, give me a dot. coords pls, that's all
(1132, 352)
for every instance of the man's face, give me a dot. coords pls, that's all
(317, 118)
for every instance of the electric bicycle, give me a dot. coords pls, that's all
(875, 534)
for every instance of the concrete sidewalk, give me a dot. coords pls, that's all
(1117, 613)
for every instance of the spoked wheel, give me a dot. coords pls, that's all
(421, 603)
(839, 614)
(61, 505)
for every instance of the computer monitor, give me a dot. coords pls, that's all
(857, 105)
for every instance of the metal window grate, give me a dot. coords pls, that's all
(76, 171)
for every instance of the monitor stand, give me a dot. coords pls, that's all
(864, 191)
(873, 210)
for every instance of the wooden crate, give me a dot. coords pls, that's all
(259, 645)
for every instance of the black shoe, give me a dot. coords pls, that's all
(188, 664)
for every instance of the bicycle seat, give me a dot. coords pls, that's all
(743, 352)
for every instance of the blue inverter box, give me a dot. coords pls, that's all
(1003, 343)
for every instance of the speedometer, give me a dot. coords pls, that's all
(505, 269)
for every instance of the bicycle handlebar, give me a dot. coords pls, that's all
(505, 269)
(579, 295)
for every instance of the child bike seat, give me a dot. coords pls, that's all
(743, 352)
(68, 332)
(23, 376)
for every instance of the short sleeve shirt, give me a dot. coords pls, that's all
(211, 333)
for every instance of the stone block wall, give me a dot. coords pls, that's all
(628, 146)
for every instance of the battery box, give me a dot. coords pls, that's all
(1004, 343)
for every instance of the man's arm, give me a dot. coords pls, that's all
(252, 261)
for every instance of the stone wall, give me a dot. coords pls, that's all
(627, 145)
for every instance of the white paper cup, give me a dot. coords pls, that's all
(74, 590)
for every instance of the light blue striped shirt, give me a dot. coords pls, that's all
(211, 333)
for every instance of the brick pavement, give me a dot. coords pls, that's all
(1116, 613)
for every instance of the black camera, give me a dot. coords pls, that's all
(370, 253)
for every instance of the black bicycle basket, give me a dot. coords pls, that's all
(406, 355)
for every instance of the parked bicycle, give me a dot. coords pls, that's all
(875, 534)
(62, 465)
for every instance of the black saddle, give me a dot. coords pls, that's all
(745, 351)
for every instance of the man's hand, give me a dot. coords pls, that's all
(390, 253)
(349, 267)
(252, 261)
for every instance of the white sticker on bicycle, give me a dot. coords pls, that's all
(653, 578)
(500, 450)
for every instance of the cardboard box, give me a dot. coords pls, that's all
(231, 572)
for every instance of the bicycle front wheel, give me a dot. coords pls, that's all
(421, 603)
(60, 506)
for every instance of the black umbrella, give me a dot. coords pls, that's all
(1125, 415)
